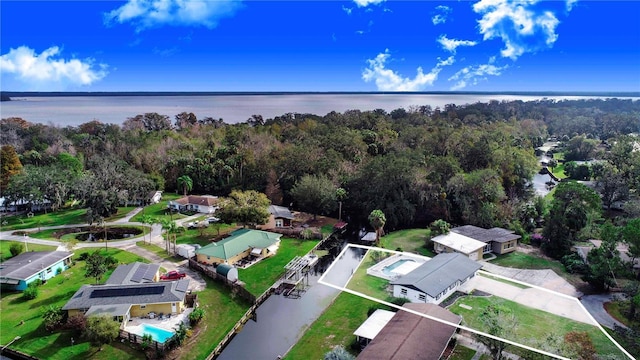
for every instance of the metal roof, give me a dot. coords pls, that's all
(374, 323)
(134, 273)
(436, 275)
(27, 264)
(114, 294)
(280, 212)
(239, 241)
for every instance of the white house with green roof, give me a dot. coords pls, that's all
(241, 244)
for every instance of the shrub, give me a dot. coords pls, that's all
(196, 315)
(31, 292)
(52, 316)
(16, 249)
(83, 256)
(574, 264)
(76, 323)
(146, 341)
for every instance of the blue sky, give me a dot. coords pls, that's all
(362, 45)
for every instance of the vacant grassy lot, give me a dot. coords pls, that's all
(334, 327)
(520, 260)
(261, 276)
(35, 340)
(409, 240)
(62, 217)
(6, 245)
(532, 324)
(159, 210)
(368, 284)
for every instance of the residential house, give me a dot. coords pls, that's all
(204, 204)
(279, 217)
(124, 301)
(436, 279)
(411, 336)
(21, 270)
(154, 197)
(134, 273)
(497, 240)
(456, 243)
(242, 244)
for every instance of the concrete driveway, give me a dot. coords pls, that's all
(546, 278)
(558, 304)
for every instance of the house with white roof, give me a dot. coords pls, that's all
(458, 243)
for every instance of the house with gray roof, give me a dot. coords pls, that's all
(436, 279)
(497, 240)
(135, 273)
(204, 204)
(279, 217)
(411, 336)
(123, 302)
(21, 270)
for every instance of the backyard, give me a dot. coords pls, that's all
(5, 247)
(24, 317)
(367, 284)
(409, 240)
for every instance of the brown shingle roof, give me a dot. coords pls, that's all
(410, 336)
(203, 200)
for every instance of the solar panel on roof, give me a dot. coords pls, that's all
(139, 274)
(150, 273)
(182, 286)
(134, 291)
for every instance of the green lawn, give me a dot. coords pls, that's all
(49, 234)
(532, 323)
(520, 260)
(334, 327)
(368, 284)
(62, 217)
(259, 277)
(222, 312)
(35, 340)
(462, 353)
(159, 210)
(161, 252)
(204, 236)
(6, 245)
(410, 240)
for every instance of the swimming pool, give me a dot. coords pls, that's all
(389, 269)
(157, 334)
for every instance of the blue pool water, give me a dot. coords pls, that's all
(157, 334)
(387, 270)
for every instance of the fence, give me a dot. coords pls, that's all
(137, 339)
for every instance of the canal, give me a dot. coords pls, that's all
(281, 321)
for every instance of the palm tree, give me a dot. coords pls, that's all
(186, 183)
(170, 227)
(149, 220)
(341, 194)
(377, 220)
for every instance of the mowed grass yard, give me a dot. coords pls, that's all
(259, 277)
(61, 217)
(334, 327)
(159, 210)
(5, 247)
(520, 260)
(533, 324)
(368, 284)
(409, 240)
(35, 340)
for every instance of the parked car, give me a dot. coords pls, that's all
(197, 224)
(212, 220)
(173, 275)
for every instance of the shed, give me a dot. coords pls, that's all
(229, 272)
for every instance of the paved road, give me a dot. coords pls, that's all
(155, 237)
(595, 305)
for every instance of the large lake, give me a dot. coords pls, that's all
(75, 110)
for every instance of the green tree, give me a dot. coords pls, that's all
(101, 330)
(196, 315)
(31, 292)
(439, 227)
(477, 195)
(52, 317)
(580, 148)
(186, 183)
(16, 249)
(245, 207)
(314, 194)
(171, 228)
(573, 207)
(341, 194)
(377, 219)
(604, 262)
(499, 322)
(96, 266)
(631, 235)
(9, 165)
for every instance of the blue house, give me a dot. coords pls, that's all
(19, 271)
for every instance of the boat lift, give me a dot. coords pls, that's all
(292, 284)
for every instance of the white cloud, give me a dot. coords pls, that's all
(47, 71)
(471, 75)
(521, 28)
(441, 17)
(146, 14)
(389, 80)
(365, 3)
(451, 44)
(347, 10)
(570, 4)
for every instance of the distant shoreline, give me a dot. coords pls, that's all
(8, 95)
